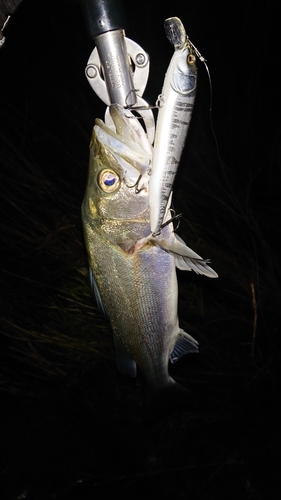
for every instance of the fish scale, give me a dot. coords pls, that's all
(136, 307)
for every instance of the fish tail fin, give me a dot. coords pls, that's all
(163, 401)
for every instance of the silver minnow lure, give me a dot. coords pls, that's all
(176, 105)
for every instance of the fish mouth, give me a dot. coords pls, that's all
(125, 138)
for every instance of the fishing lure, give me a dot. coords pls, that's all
(175, 110)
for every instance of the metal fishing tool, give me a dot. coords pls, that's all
(118, 67)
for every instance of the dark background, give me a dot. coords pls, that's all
(72, 426)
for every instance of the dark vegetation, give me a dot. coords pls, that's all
(72, 426)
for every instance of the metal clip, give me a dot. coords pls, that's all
(139, 68)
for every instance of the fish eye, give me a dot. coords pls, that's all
(108, 181)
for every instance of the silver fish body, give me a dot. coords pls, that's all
(134, 273)
(176, 105)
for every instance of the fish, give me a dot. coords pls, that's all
(175, 111)
(132, 272)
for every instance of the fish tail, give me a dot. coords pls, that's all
(161, 402)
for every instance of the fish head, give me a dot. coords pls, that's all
(120, 157)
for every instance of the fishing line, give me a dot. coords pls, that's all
(202, 59)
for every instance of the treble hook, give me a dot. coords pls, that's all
(137, 190)
(173, 219)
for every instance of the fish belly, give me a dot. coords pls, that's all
(140, 293)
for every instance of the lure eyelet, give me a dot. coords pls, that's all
(108, 181)
(191, 59)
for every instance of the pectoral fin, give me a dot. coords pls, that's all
(124, 362)
(97, 294)
(198, 266)
(185, 344)
(185, 258)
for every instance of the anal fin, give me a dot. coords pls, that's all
(184, 344)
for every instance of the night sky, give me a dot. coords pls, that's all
(72, 425)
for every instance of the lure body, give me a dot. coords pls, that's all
(174, 116)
